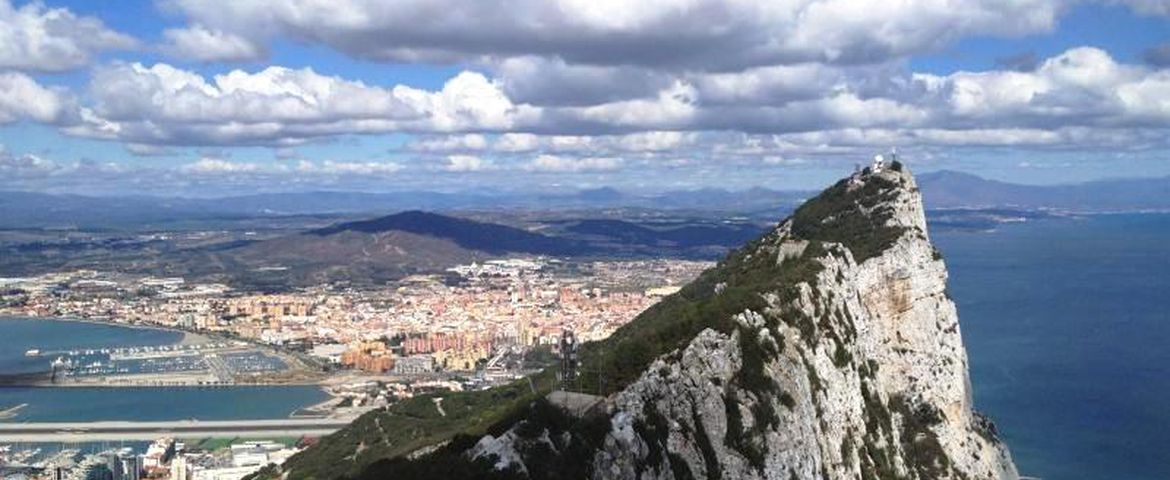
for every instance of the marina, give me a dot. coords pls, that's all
(210, 363)
(166, 358)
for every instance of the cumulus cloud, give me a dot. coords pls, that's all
(1080, 87)
(162, 104)
(25, 166)
(450, 143)
(208, 165)
(558, 164)
(330, 167)
(1158, 55)
(36, 38)
(140, 150)
(570, 86)
(219, 166)
(467, 163)
(200, 43)
(21, 97)
(704, 34)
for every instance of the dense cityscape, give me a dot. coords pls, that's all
(475, 326)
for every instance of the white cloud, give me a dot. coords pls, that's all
(327, 168)
(674, 106)
(330, 167)
(1080, 87)
(162, 104)
(208, 165)
(517, 142)
(37, 38)
(21, 97)
(25, 166)
(467, 163)
(200, 43)
(703, 34)
(141, 150)
(450, 143)
(557, 164)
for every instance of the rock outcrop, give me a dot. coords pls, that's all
(858, 371)
(827, 349)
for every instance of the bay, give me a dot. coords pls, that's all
(80, 404)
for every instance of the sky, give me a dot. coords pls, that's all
(197, 98)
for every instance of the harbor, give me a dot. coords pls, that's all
(194, 360)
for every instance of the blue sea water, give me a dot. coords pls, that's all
(126, 403)
(1067, 327)
(22, 334)
(81, 404)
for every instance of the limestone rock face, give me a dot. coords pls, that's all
(871, 381)
(849, 364)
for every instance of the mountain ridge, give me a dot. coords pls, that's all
(470, 234)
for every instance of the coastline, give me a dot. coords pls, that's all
(188, 337)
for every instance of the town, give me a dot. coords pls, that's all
(482, 323)
(470, 327)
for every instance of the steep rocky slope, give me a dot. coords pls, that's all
(827, 349)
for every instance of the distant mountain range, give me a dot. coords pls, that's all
(392, 246)
(943, 189)
(372, 251)
(377, 250)
(40, 210)
(950, 189)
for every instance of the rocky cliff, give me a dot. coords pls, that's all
(864, 368)
(828, 349)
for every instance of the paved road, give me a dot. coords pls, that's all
(93, 431)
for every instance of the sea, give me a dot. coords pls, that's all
(1067, 329)
(1065, 320)
(79, 404)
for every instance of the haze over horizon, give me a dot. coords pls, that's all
(181, 97)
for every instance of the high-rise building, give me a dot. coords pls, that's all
(131, 466)
(180, 469)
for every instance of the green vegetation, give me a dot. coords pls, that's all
(415, 423)
(852, 217)
(920, 444)
(555, 446)
(375, 445)
(668, 325)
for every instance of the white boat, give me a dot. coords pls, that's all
(32, 353)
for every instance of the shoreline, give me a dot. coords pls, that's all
(187, 337)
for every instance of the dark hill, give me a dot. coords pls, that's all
(470, 234)
(725, 235)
